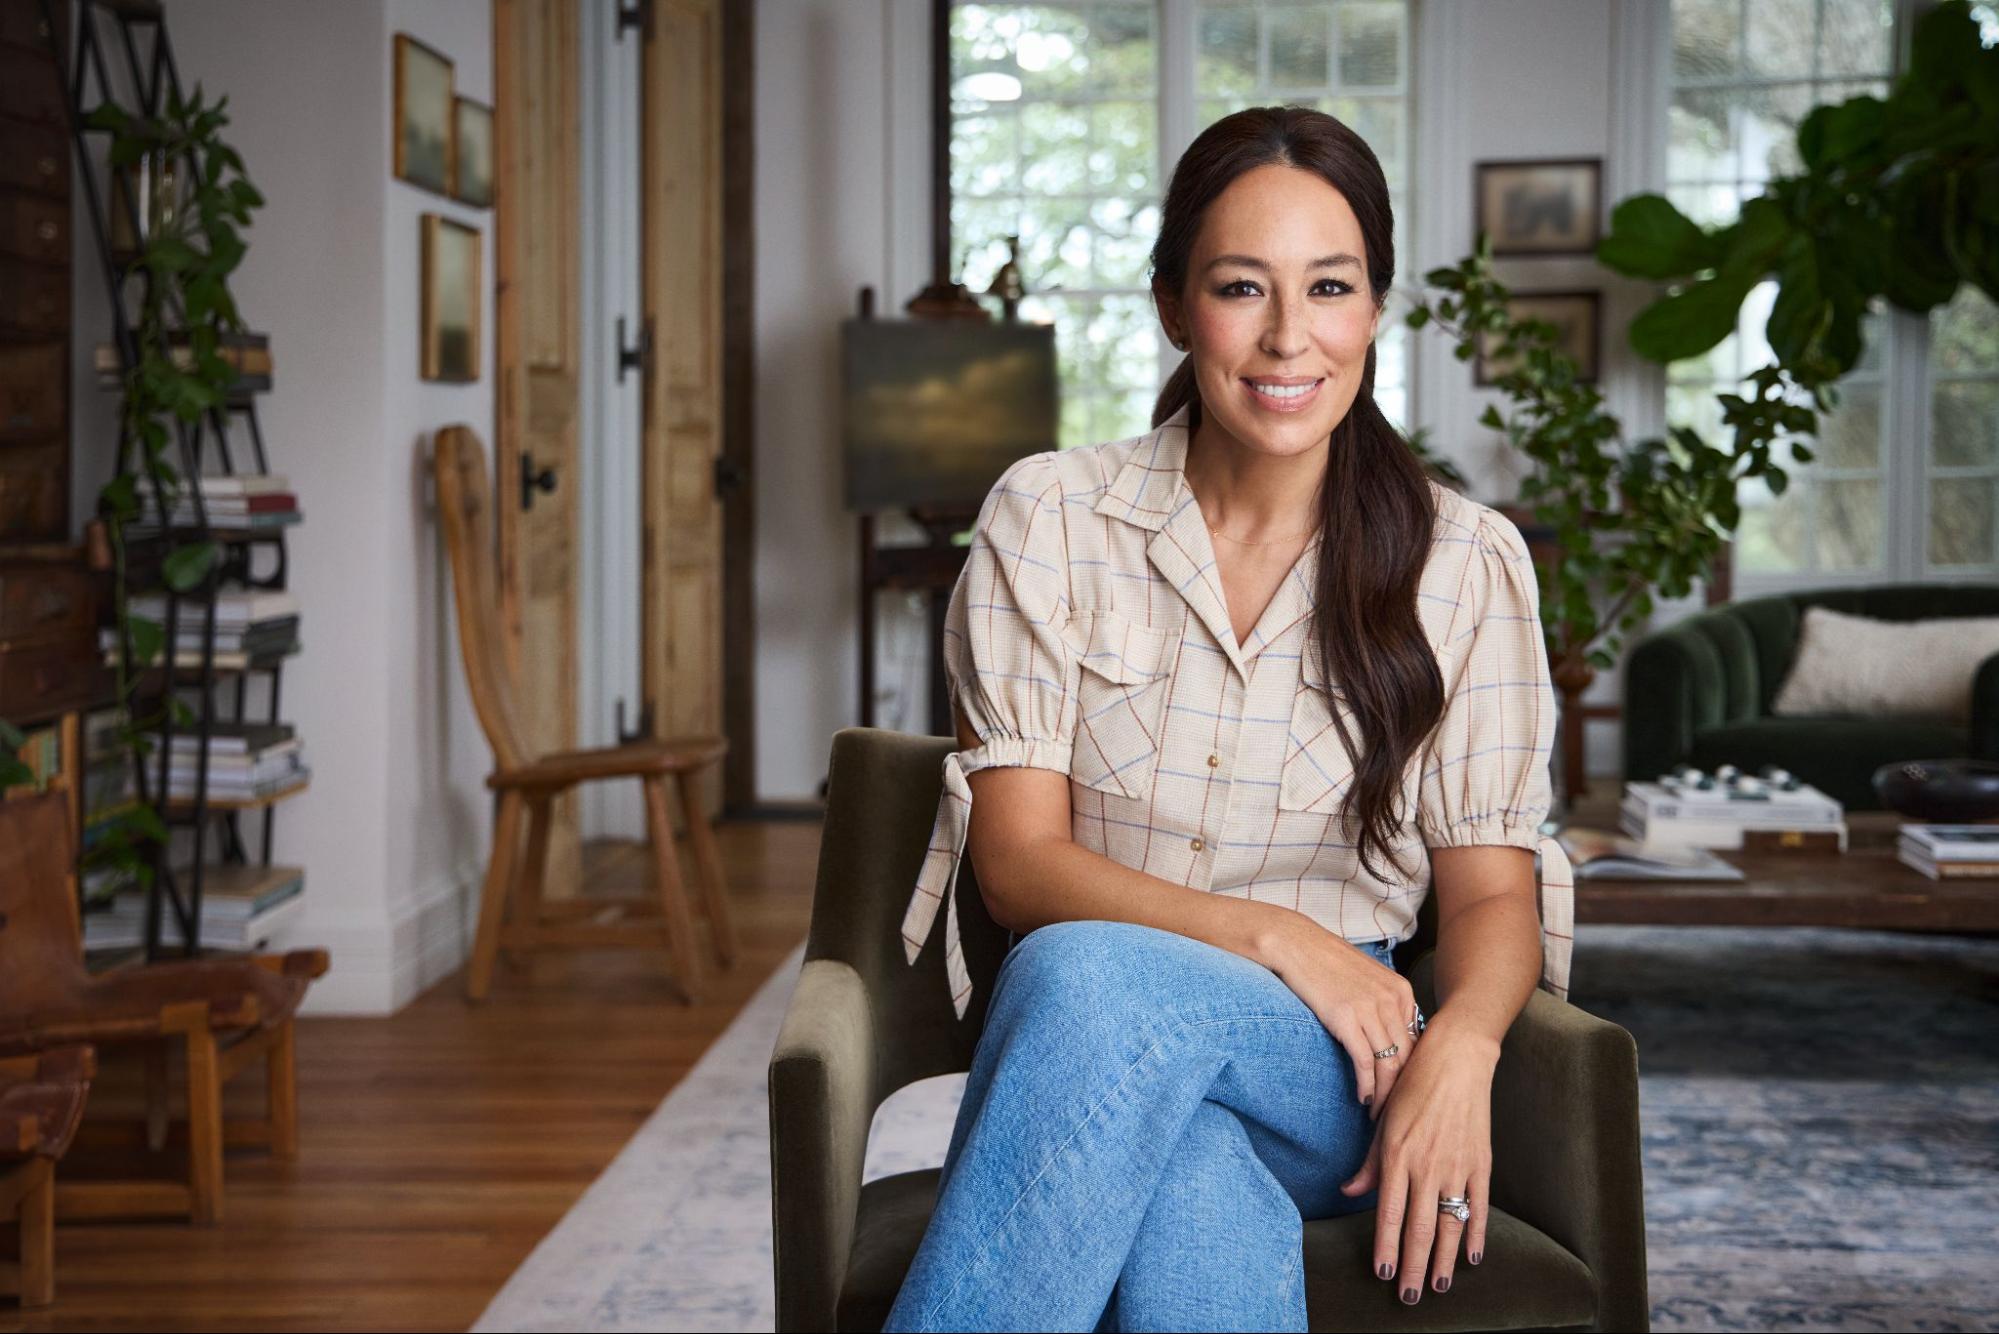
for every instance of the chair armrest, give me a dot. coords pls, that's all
(1565, 1146)
(1985, 710)
(1663, 678)
(823, 1098)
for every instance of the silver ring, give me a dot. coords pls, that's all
(1419, 1023)
(1392, 1048)
(1457, 1206)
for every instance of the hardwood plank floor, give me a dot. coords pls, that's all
(436, 1146)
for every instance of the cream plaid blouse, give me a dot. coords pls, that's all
(1088, 634)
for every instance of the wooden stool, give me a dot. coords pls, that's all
(41, 1100)
(511, 911)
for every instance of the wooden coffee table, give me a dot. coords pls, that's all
(1863, 887)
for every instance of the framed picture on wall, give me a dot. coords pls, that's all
(450, 300)
(423, 123)
(1577, 331)
(472, 153)
(1545, 206)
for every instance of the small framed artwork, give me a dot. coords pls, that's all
(450, 300)
(423, 115)
(472, 153)
(1540, 207)
(1575, 317)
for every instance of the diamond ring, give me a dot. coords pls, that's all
(1389, 1051)
(1457, 1206)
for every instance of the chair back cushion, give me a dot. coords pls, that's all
(881, 799)
(40, 955)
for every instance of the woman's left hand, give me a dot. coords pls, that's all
(1432, 1139)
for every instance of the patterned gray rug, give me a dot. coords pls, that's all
(1821, 1121)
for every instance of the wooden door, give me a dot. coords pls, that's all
(537, 140)
(680, 153)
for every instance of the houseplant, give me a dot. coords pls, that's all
(188, 243)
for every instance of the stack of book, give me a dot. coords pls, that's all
(251, 626)
(245, 502)
(242, 907)
(1681, 816)
(249, 354)
(246, 762)
(110, 791)
(1950, 851)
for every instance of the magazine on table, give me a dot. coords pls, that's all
(1598, 854)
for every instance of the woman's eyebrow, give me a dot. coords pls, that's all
(1252, 262)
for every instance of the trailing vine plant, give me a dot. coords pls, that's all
(189, 243)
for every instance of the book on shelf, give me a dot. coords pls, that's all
(242, 907)
(257, 641)
(188, 658)
(244, 739)
(180, 791)
(245, 484)
(185, 517)
(249, 353)
(1599, 854)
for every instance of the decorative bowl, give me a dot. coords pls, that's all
(1940, 791)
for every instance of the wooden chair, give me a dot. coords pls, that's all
(41, 1100)
(511, 910)
(226, 1013)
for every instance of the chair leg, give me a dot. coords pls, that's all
(204, 1127)
(527, 890)
(281, 1091)
(708, 864)
(493, 898)
(38, 1234)
(672, 896)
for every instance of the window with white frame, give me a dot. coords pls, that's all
(1056, 116)
(1902, 481)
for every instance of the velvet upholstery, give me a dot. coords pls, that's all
(1567, 1246)
(1699, 692)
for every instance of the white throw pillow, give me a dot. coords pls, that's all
(1887, 669)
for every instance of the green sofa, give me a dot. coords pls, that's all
(1567, 1242)
(1699, 692)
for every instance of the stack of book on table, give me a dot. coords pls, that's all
(251, 626)
(1681, 815)
(1950, 851)
(246, 762)
(242, 907)
(243, 502)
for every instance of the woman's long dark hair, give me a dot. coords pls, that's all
(1376, 514)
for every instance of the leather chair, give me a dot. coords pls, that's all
(226, 1013)
(1566, 1240)
(41, 1101)
(1699, 692)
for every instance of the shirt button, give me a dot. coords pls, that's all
(1214, 761)
(1195, 845)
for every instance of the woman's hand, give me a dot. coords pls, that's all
(1434, 1139)
(1367, 1008)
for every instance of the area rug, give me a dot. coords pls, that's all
(1820, 1120)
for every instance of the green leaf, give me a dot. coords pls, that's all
(148, 638)
(1690, 322)
(1650, 238)
(186, 566)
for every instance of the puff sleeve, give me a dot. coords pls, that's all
(1485, 771)
(1011, 669)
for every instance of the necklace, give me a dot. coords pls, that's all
(1265, 543)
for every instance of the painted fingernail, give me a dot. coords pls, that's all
(1409, 1296)
(1368, 1101)
(1475, 1256)
(1386, 1271)
(1443, 1284)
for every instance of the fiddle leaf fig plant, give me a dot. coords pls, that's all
(190, 243)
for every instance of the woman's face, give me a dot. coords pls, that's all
(1276, 296)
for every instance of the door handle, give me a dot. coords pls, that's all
(532, 481)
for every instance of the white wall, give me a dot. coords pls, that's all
(393, 827)
(842, 200)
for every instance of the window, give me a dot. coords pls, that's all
(1882, 499)
(1056, 111)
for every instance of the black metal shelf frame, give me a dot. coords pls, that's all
(132, 35)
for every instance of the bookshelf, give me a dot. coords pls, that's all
(216, 780)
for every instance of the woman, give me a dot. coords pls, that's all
(1233, 696)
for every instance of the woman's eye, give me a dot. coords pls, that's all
(1338, 288)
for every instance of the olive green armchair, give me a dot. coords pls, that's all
(1566, 1239)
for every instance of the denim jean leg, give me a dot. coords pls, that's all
(1102, 1041)
(1221, 1242)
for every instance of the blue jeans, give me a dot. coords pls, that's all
(1148, 1121)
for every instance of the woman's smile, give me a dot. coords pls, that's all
(1283, 393)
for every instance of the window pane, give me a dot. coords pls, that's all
(1849, 530)
(1778, 38)
(1772, 538)
(1850, 435)
(1054, 148)
(1124, 153)
(1226, 64)
(1707, 38)
(1856, 37)
(1964, 334)
(1701, 137)
(1964, 423)
(1300, 46)
(1371, 45)
(1961, 522)
(1124, 243)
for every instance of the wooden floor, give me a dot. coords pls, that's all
(437, 1146)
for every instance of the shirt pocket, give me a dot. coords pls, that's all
(1317, 769)
(1122, 692)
